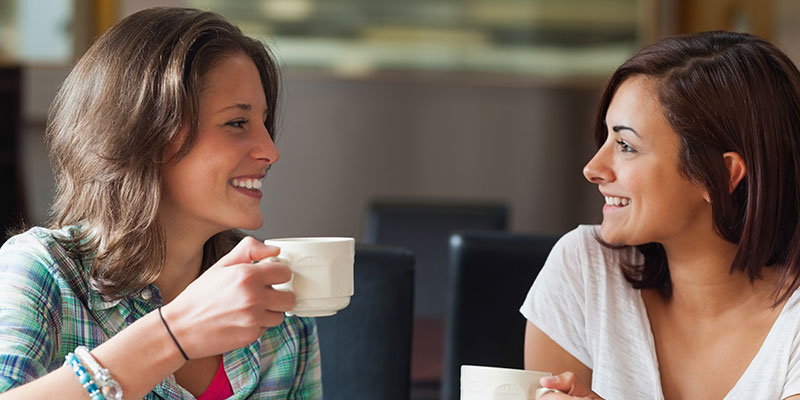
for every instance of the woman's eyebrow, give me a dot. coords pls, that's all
(617, 128)
(241, 106)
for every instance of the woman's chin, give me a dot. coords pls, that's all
(249, 223)
(611, 236)
(253, 225)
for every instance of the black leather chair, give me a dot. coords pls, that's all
(424, 226)
(490, 275)
(366, 348)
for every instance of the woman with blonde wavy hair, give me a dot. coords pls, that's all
(159, 139)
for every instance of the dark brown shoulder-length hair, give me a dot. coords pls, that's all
(110, 123)
(728, 92)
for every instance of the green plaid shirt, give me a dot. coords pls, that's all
(47, 308)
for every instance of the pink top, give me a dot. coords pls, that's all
(220, 386)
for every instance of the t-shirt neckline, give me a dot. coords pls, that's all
(645, 320)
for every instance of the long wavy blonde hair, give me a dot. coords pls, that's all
(110, 123)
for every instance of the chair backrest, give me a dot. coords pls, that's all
(424, 227)
(490, 275)
(366, 348)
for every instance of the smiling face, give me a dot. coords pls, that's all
(637, 171)
(216, 186)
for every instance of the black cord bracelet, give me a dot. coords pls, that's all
(183, 353)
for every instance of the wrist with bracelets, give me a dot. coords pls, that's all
(108, 388)
(99, 384)
(83, 377)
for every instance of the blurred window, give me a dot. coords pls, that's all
(542, 38)
(36, 32)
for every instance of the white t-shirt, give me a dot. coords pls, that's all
(582, 301)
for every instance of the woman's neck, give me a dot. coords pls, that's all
(702, 282)
(183, 259)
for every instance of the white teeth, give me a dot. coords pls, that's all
(617, 201)
(246, 183)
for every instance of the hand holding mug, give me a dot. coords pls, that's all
(568, 386)
(232, 303)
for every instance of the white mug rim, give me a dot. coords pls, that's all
(469, 371)
(313, 239)
(471, 366)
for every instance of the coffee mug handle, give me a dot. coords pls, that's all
(543, 391)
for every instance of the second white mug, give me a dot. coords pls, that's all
(495, 383)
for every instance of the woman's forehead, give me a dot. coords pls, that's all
(635, 101)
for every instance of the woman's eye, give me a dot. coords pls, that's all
(237, 124)
(624, 147)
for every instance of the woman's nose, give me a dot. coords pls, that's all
(264, 148)
(597, 170)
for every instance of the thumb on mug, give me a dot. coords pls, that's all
(566, 382)
(247, 251)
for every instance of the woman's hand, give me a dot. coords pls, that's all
(570, 386)
(232, 303)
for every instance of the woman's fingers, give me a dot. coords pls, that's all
(570, 386)
(272, 272)
(247, 251)
(252, 283)
(279, 301)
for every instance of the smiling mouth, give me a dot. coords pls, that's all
(617, 201)
(246, 183)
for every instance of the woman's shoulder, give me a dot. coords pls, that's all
(39, 241)
(584, 248)
(41, 236)
(32, 244)
(582, 237)
(36, 254)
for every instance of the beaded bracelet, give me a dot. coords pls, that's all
(83, 377)
(108, 386)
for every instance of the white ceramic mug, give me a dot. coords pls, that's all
(494, 383)
(322, 273)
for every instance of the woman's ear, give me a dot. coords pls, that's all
(173, 148)
(736, 172)
(736, 169)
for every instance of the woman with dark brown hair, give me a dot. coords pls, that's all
(159, 140)
(689, 288)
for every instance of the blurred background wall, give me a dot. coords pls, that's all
(459, 100)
